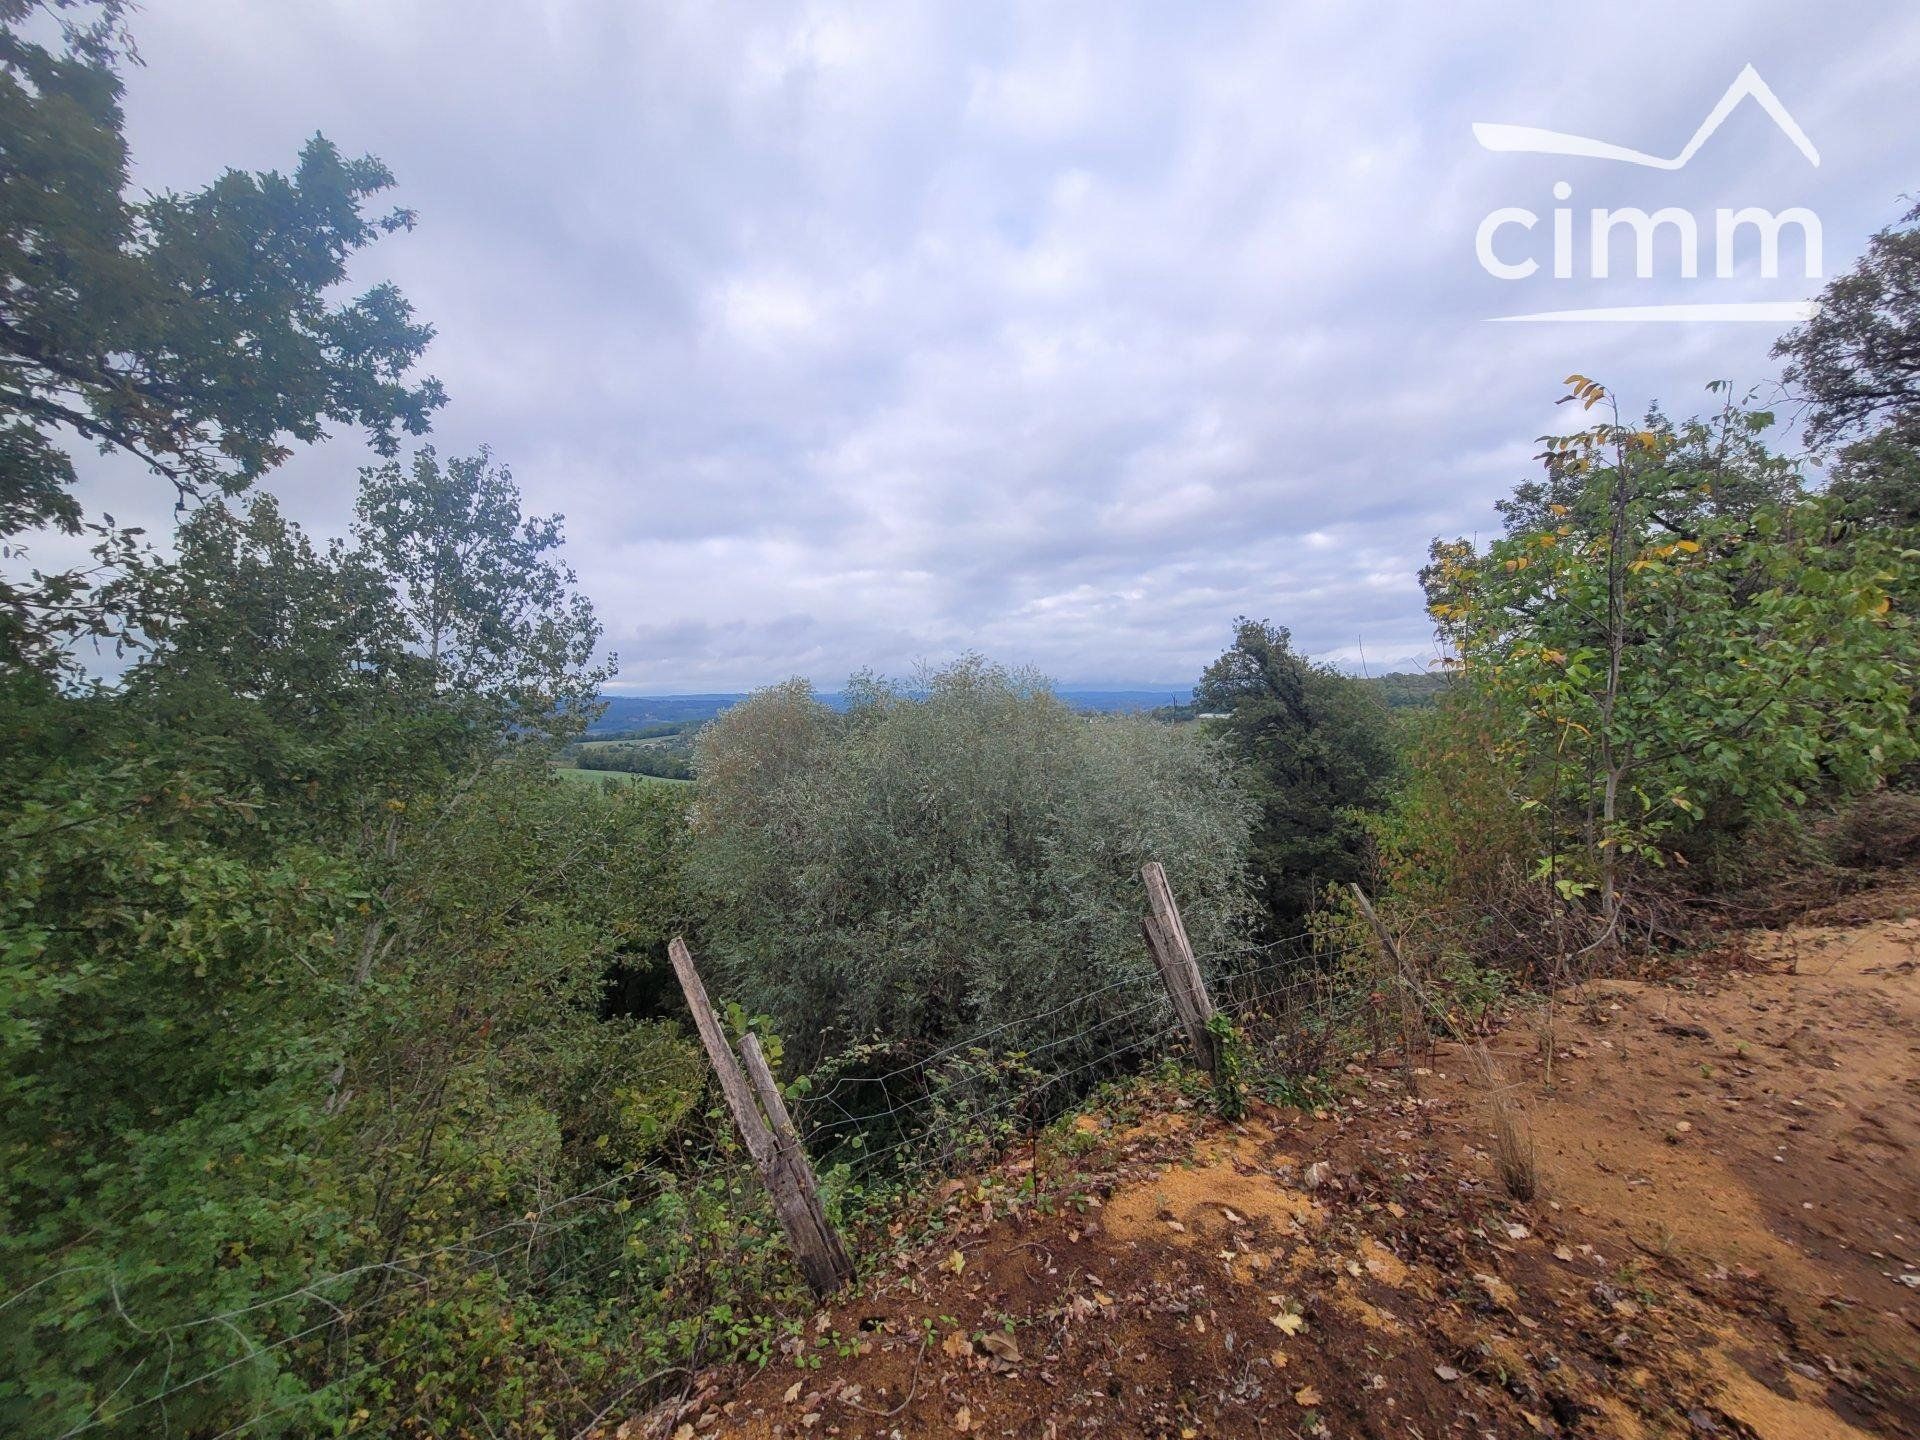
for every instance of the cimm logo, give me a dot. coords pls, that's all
(1507, 246)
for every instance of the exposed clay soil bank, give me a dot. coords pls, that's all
(1726, 1242)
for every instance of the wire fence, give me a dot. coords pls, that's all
(1297, 1001)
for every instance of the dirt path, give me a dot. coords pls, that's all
(1726, 1242)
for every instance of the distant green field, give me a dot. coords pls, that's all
(618, 777)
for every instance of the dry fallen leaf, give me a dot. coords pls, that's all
(956, 1262)
(1446, 1373)
(957, 1345)
(1289, 1323)
(963, 1419)
(1306, 1396)
(793, 1392)
(1001, 1347)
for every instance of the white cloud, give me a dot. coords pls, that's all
(861, 335)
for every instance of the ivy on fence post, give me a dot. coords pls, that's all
(1216, 1043)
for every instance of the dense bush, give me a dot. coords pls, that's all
(1459, 842)
(328, 1062)
(960, 856)
(1678, 641)
(1315, 749)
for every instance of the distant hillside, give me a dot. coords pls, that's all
(631, 712)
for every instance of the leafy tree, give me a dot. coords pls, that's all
(1666, 663)
(197, 333)
(495, 617)
(318, 989)
(287, 996)
(1317, 748)
(1857, 364)
(1858, 359)
(306, 630)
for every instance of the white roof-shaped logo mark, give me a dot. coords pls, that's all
(1526, 139)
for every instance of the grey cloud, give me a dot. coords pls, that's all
(866, 335)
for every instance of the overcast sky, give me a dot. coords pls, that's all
(863, 335)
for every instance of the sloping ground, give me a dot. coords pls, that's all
(1726, 1242)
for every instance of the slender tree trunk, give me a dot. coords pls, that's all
(1610, 757)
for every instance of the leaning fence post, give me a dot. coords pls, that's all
(825, 1265)
(823, 1259)
(1167, 942)
(1412, 1006)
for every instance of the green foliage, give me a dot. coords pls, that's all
(958, 857)
(209, 1100)
(1674, 631)
(495, 615)
(1857, 360)
(652, 760)
(1459, 842)
(1316, 749)
(1229, 1070)
(322, 992)
(1856, 363)
(1409, 690)
(199, 333)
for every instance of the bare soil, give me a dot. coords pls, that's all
(1726, 1240)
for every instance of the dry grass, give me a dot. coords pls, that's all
(1513, 1149)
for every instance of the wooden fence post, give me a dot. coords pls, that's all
(823, 1259)
(774, 1147)
(1166, 936)
(1413, 1010)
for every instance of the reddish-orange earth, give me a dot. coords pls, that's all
(1725, 1241)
